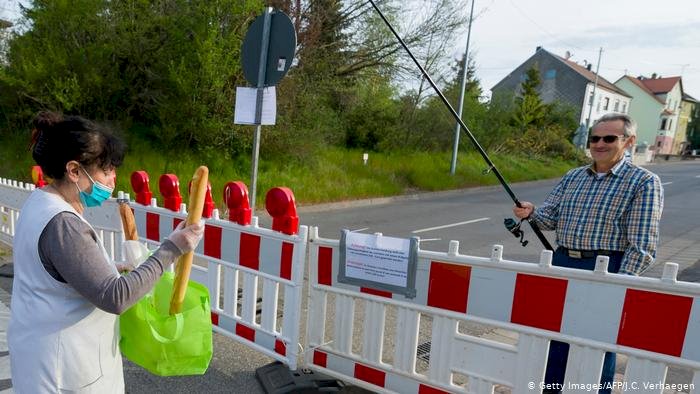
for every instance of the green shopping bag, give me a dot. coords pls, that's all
(168, 345)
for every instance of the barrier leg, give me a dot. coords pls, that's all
(276, 378)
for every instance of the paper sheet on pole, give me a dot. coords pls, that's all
(245, 106)
(377, 258)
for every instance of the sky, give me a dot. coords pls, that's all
(638, 37)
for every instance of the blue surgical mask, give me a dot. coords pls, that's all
(99, 194)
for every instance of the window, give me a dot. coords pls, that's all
(550, 74)
(663, 124)
(670, 122)
(658, 144)
(590, 99)
(616, 108)
(606, 103)
(624, 108)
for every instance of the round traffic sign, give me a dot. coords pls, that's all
(282, 44)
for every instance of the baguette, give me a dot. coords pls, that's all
(194, 215)
(128, 221)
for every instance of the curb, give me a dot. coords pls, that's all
(347, 204)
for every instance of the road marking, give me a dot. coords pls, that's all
(449, 225)
(430, 239)
(359, 229)
(666, 183)
(697, 176)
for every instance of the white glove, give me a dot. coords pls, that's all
(186, 238)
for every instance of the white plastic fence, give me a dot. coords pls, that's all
(388, 343)
(105, 220)
(12, 196)
(655, 322)
(247, 269)
(243, 266)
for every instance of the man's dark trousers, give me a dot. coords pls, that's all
(559, 351)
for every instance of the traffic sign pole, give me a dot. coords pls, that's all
(258, 107)
(278, 45)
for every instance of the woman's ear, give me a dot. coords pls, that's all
(72, 171)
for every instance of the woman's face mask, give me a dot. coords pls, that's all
(99, 194)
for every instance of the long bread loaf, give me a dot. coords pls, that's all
(194, 215)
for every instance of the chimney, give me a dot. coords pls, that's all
(538, 48)
(589, 66)
(653, 76)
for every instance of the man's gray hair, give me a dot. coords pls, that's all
(630, 126)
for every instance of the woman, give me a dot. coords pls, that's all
(63, 334)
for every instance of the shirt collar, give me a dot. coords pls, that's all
(617, 169)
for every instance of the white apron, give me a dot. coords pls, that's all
(58, 341)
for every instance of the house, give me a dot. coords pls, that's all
(656, 109)
(568, 82)
(689, 106)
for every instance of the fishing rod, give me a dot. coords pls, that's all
(510, 224)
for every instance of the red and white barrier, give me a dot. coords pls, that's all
(254, 275)
(372, 337)
(12, 197)
(259, 262)
(105, 221)
(655, 322)
(241, 264)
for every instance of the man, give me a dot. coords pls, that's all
(611, 208)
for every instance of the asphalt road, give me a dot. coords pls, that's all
(473, 217)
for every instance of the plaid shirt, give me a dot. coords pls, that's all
(619, 211)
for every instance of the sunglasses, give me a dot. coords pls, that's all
(608, 139)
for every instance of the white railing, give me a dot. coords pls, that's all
(254, 275)
(487, 323)
(474, 325)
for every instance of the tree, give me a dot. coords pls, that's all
(4, 37)
(431, 125)
(693, 132)
(529, 108)
(171, 65)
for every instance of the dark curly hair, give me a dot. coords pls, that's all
(56, 140)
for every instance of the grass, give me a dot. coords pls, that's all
(335, 174)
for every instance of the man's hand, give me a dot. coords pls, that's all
(525, 211)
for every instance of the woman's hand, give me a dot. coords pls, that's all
(124, 267)
(186, 238)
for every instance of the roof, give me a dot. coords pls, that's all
(687, 97)
(642, 86)
(661, 85)
(583, 71)
(590, 75)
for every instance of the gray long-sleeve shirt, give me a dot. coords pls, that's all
(70, 253)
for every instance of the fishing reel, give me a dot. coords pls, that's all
(514, 228)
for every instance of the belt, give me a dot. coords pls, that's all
(587, 254)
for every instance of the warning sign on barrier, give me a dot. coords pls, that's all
(378, 262)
